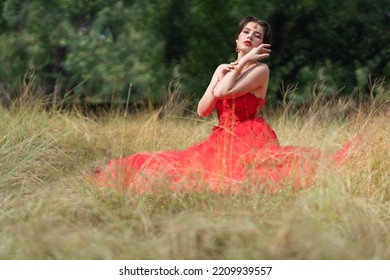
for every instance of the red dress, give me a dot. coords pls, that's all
(242, 153)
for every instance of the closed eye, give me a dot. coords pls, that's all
(259, 35)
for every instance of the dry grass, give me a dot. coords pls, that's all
(48, 210)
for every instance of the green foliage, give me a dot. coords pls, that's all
(92, 51)
(333, 40)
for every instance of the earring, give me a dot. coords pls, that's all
(237, 50)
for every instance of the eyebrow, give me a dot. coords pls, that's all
(255, 31)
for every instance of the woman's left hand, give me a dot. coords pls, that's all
(259, 53)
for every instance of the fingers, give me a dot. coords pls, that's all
(232, 65)
(265, 48)
(264, 55)
(228, 68)
(262, 51)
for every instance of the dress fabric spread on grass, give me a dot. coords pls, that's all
(242, 152)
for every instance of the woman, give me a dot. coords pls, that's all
(242, 151)
(246, 74)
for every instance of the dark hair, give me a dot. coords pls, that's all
(267, 37)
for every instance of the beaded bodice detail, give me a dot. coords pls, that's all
(237, 110)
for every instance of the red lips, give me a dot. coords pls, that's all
(247, 43)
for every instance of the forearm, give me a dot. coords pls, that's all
(207, 103)
(229, 80)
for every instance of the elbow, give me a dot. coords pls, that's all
(218, 93)
(221, 92)
(202, 114)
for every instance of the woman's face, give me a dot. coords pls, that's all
(250, 37)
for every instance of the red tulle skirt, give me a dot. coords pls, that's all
(246, 157)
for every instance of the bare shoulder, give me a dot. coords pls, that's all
(261, 70)
(262, 66)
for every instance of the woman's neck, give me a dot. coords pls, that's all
(240, 55)
(247, 65)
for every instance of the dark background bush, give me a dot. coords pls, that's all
(92, 51)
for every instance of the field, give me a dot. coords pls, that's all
(50, 210)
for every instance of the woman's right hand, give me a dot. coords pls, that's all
(224, 69)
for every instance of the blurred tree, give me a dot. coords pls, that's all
(330, 41)
(93, 50)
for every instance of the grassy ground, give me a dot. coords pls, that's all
(48, 210)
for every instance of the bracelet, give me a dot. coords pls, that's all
(237, 70)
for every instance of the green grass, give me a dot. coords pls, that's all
(50, 210)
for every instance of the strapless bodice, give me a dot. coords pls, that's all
(237, 110)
